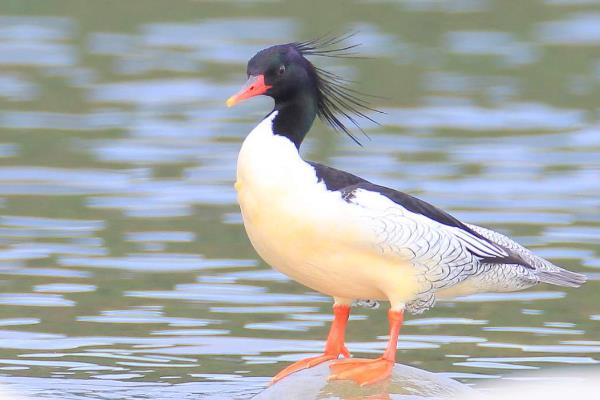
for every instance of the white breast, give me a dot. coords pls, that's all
(305, 231)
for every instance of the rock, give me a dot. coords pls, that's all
(406, 383)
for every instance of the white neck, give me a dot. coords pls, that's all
(267, 159)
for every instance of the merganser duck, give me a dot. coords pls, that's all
(346, 237)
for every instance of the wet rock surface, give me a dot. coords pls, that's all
(406, 383)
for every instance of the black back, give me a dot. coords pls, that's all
(347, 184)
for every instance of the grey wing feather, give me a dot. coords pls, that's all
(439, 255)
(444, 256)
(544, 270)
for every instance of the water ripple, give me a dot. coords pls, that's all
(36, 300)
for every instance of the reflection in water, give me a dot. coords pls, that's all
(576, 28)
(124, 269)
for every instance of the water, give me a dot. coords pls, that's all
(125, 271)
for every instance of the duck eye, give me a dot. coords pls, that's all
(281, 69)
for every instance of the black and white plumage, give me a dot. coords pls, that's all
(344, 236)
(446, 251)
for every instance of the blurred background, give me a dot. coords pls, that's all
(125, 271)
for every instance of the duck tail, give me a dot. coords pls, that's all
(561, 277)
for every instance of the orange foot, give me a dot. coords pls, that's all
(306, 363)
(334, 347)
(362, 371)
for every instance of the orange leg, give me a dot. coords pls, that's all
(364, 371)
(334, 347)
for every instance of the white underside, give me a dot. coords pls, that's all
(309, 233)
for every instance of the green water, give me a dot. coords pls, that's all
(125, 271)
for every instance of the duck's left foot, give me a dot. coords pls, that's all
(362, 371)
(304, 364)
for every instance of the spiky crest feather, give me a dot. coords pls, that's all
(336, 100)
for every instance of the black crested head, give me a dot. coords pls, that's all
(302, 91)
